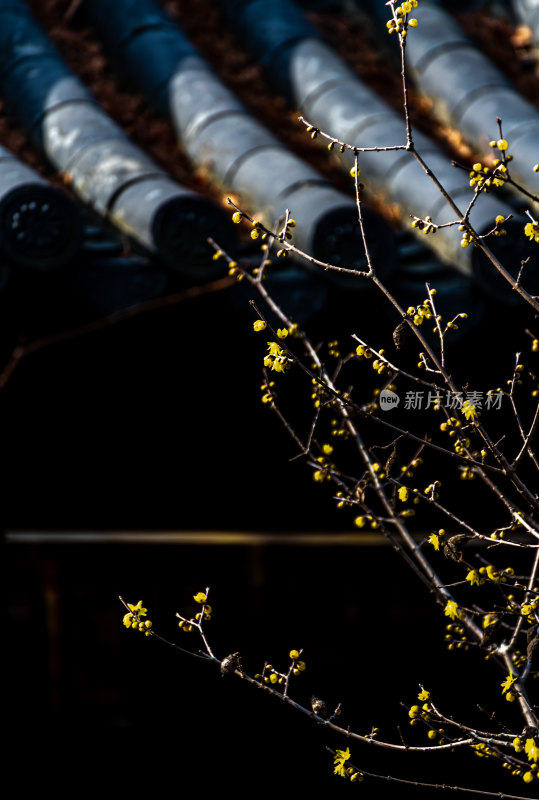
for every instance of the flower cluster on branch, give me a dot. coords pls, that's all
(386, 472)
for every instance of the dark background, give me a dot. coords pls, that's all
(155, 424)
(95, 706)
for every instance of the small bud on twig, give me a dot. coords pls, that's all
(230, 663)
(319, 707)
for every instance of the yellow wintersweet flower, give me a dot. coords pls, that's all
(259, 325)
(453, 611)
(201, 597)
(282, 333)
(138, 610)
(320, 475)
(469, 410)
(341, 756)
(434, 540)
(274, 349)
(403, 494)
(276, 358)
(532, 750)
(508, 682)
(493, 573)
(473, 578)
(531, 229)
(278, 366)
